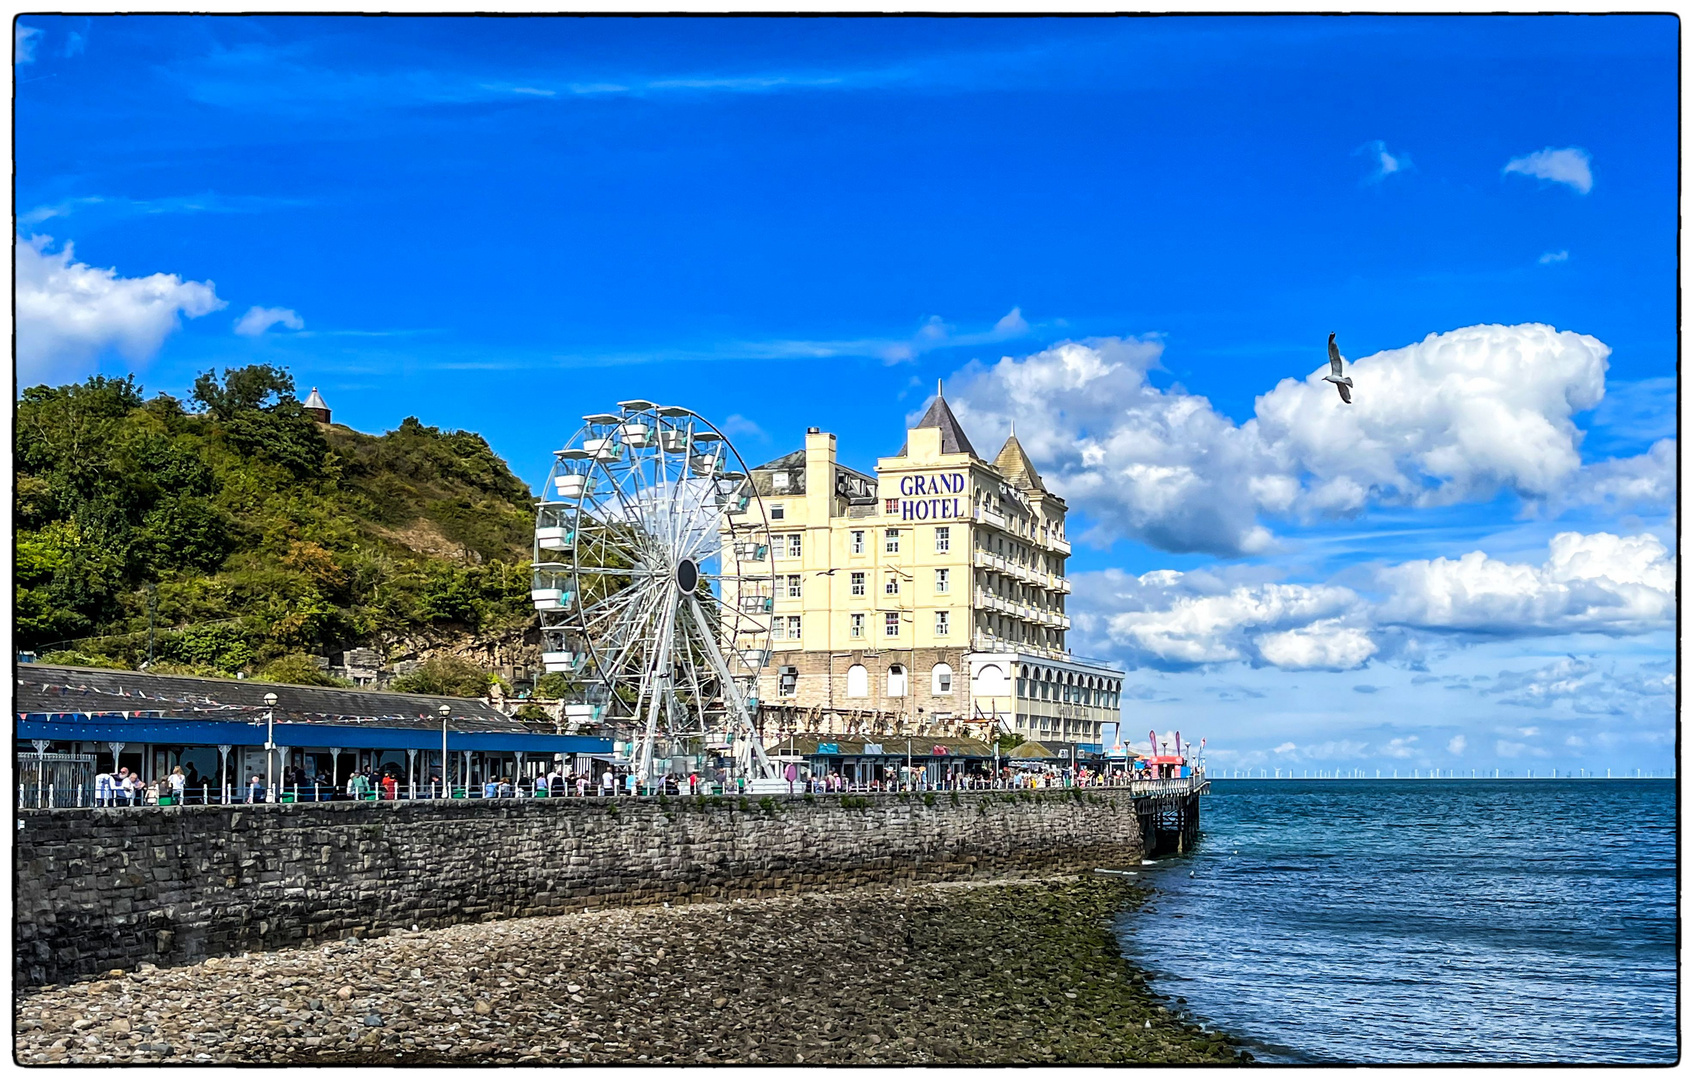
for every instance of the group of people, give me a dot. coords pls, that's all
(125, 788)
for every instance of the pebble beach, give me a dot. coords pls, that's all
(1004, 972)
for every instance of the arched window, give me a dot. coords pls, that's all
(858, 681)
(990, 681)
(940, 679)
(896, 680)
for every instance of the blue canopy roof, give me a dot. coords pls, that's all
(84, 727)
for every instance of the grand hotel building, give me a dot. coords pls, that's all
(927, 599)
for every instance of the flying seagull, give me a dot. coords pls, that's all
(1341, 382)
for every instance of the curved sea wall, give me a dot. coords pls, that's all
(103, 889)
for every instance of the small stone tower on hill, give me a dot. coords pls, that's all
(315, 405)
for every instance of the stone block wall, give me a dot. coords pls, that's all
(103, 889)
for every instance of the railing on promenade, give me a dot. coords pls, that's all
(207, 795)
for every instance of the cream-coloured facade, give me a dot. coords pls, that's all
(927, 599)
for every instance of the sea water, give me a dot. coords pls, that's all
(1463, 921)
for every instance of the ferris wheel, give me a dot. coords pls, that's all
(654, 581)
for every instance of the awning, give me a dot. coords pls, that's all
(70, 727)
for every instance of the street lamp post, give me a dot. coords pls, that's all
(270, 746)
(446, 786)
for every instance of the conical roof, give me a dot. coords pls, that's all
(1014, 464)
(314, 401)
(953, 439)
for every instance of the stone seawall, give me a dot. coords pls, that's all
(103, 889)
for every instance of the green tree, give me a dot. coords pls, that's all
(243, 389)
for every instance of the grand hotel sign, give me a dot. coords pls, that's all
(929, 497)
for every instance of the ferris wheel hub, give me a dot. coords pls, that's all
(687, 575)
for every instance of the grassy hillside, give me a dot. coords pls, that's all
(250, 534)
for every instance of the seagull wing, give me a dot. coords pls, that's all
(1345, 393)
(1334, 356)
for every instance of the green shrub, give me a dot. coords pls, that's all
(300, 670)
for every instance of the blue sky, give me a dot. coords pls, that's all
(501, 224)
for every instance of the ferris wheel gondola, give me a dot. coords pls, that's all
(654, 581)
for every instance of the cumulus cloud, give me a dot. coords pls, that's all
(259, 319)
(1589, 583)
(1589, 690)
(1455, 417)
(1622, 483)
(1382, 163)
(1171, 620)
(1399, 748)
(1455, 746)
(1571, 166)
(1554, 257)
(24, 41)
(69, 312)
(1166, 619)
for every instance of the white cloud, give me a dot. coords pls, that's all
(1383, 164)
(1285, 748)
(69, 312)
(1589, 583)
(1327, 644)
(1170, 620)
(1455, 746)
(1167, 619)
(259, 319)
(1621, 483)
(1554, 257)
(24, 41)
(1399, 748)
(1508, 749)
(737, 425)
(1589, 690)
(1570, 165)
(1457, 416)
(1012, 323)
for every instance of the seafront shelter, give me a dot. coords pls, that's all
(217, 731)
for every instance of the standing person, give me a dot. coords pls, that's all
(255, 789)
(582, 784)
(491, 788)
(390, 786)
(178, 782)
(103, 789)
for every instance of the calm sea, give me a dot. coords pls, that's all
(1425, 920)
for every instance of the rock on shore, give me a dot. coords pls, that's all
(1008, 972)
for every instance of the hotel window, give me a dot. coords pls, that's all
(892, 587)
(891, 507)
(858, 583)
(941, 623)
(890, 541)
(777, 512)
(787, 681)
(858, 541)
(941, 679)
(943, 539)
(793, 627)
(794, 540)
(858, 624)
(942, 581)
(794, 585)
(890, 624)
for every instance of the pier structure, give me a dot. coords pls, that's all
(1169, 813)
